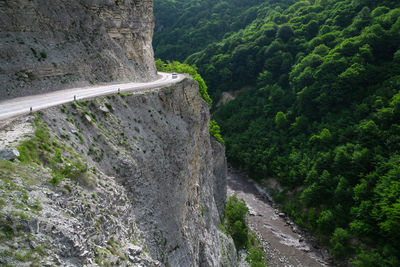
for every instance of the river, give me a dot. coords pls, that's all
(284, 243)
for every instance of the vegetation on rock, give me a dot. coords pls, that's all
(235, 224)
(176, 66)
(236, 212)
(215, 131)
(42, 149)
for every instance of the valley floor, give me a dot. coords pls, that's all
(284, 243)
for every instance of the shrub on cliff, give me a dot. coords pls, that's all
(215, 131)
(236, 220)
(176, 66)
(235, 224)
(256, 258)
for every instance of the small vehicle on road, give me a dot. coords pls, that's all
(174, 75)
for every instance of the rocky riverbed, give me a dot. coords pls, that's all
(285, 244)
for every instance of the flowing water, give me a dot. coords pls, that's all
(284, 243)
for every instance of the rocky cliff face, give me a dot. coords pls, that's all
(140, 182)
(46, 45)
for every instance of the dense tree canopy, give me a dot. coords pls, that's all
(184, 27)
(318, 109)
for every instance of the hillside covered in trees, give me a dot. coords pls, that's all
(185, 27)
(318, 108)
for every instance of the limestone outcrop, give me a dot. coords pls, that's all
(9, 154)
(143, 184)
(47, 45)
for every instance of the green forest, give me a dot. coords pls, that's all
(318, 107)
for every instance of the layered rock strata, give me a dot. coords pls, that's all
(152, 195)
(47, 45)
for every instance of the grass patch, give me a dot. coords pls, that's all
(43, 54)
(66, 136)
(6, 168)
(2, 203)
(255, 257)
(37, 148)
(80, 137)
(64, 109)
(83, 103)
(75, 170)
(43, 150)
(109, 106)
(6, 232)
(10, 170)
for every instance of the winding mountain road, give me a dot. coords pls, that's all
(23, 105)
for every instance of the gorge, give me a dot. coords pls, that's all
(314, 106)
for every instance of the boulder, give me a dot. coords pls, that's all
(88, 118)
(104, 109)
(134, 250)
(9, 154)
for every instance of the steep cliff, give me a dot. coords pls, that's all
(138, 181)
(48, 45)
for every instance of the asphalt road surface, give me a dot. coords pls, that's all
(23, 105)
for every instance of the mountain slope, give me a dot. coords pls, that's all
(184, 27)
(318, 110)
(49, 45)
(129, 179)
